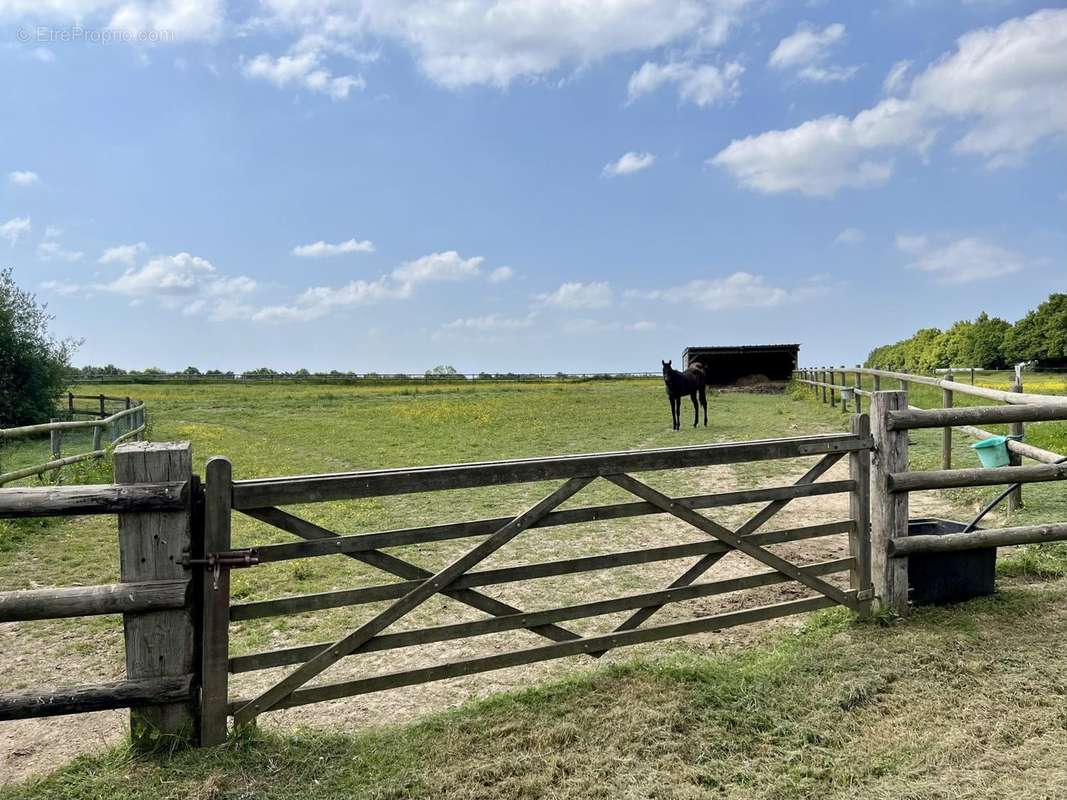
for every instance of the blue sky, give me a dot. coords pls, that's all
(541, 185)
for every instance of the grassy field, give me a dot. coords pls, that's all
(829, 711)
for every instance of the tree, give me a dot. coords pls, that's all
(190, 371)
(441, 369)
(1041, 335)
(34, 365)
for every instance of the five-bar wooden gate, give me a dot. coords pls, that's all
(459, 581)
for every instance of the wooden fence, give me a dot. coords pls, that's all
(844, 385)
(177, 579)
(108, 429)
(176, 557)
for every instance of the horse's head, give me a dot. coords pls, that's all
(667, 370)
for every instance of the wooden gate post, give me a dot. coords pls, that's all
(859, 502)
(152, 546)
(215, 605)
(858, 383)
(889, 510)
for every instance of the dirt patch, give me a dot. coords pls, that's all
(33, 746)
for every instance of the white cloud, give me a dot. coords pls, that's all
(959, 261)
(495, 42)
(827, 74)
(894, 79)
(23, 178)
(701, 84)
(1003, 86)
(850, 236)
(50, 250)
(322, 249)
(185, 282)
(400, 284)
(122, 254)
(62, 287)
(575, 295)
(161, 19)
(806, 46)
(739, 290)
(14, 229)
(43, 54)
(629, 163)
(303, 70)
(489, 322)
(501, 274)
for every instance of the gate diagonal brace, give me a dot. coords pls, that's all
(705, 563)
(701, 522)
(412, 600)
(404, 569)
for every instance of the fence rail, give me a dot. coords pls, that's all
(110, 430)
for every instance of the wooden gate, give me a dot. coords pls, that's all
(262, 499)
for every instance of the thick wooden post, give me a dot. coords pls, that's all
(889, 510)
(859, 503)
(1015, 499)
(844, 382)
(858, 382)
(215, 605)
(152, 545)
(97, 433)
(946, 432)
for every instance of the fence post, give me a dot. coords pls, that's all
(859, 501)
(70, 404)
(946, 432)
(878, 383)
(97, 430)
(56, 436)
(833, 392)
(215, 605)
(152, 545)
(822, 380)
(1015, 499)
(858, 382)
(103, 411)
(844, 382)
(972, 376)
(889, 510)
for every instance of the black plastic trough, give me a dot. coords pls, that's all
(943, 578)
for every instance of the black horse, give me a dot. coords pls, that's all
(692, 382)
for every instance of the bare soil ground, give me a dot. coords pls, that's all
(34, 746)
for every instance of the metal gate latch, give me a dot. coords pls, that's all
(226, 559)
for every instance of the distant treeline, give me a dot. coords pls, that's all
(985, 342)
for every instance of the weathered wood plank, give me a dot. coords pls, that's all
(546, 569)
(215, 605)
(87, 601)
(484, 527)
(889, 509)
(902, 482)
(152, 544)
(729, 537)
(47, 501)
(96, 697)
(431, 586)
(333, 691)
(404, 569)
(379, 483)
(463, 630)
(974, 415)
(976, 540)
(859, 505)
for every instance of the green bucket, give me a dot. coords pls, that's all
(993, 452)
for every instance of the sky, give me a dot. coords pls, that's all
(526, 185)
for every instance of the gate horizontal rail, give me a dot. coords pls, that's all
(261, 492)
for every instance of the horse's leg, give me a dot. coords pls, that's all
(704, 404)
(670, 400)
(696, 409)
(677, 411)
